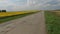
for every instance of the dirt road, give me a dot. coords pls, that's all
(32, 24)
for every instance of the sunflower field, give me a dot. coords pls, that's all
(4, 14)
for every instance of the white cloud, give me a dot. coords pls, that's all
(30, 4)
(7, 4)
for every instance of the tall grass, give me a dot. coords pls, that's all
(52, 22)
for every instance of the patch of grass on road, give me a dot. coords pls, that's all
(8, 18)
(52, 22)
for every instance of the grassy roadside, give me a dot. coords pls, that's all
(52, 22)
(8, 18)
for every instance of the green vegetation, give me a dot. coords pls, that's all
(8, 18)
(52, 22)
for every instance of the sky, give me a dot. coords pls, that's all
(17, 5)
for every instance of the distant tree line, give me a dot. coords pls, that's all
(2, 10)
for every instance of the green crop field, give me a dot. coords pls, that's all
(52, 22)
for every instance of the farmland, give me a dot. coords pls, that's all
(4, 17)
(56, 13)
(3, 14)
(53, 22)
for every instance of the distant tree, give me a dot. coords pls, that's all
(0, 10)
(3, 10)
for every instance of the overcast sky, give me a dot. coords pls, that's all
(14, 5)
